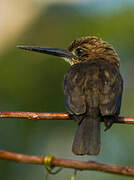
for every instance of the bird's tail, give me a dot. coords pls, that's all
(87, 137)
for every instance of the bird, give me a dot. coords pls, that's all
(93, 88)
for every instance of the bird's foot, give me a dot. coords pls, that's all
(108, 121)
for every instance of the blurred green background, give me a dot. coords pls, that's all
(34, 82)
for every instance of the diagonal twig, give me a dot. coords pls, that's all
(57, 162)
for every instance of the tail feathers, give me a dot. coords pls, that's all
(87, 137)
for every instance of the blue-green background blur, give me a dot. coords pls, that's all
(34, 82)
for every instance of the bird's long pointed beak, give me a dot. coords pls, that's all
(52, 51)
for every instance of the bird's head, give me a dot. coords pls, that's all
(83, 49)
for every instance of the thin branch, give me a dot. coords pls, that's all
(52, 116)
(35, 115)
(80, 165)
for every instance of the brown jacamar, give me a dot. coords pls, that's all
(92, 88)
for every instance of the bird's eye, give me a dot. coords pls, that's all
(79, 52)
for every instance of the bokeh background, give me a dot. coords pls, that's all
(34, 82)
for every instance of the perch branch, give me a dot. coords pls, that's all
(56, 162)
(52, 116)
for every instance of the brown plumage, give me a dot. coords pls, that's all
(93, 89)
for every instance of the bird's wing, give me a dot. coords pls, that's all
(96, 85)
(74, 96)
(111, 87)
